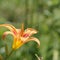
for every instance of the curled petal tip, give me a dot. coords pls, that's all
(34, 39)
(6, 33)
(38, 42)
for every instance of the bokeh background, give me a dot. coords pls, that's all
(42, 15)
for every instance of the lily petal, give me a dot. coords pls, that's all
(28, 32)
(17, 43)
(6, 33)
(10, 27)
(33, 39)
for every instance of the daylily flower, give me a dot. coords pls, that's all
(20, 36)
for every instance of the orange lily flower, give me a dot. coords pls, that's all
(20, 36)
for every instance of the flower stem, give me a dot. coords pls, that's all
(9, 55)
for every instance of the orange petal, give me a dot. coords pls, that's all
(28, 32)
(10, 27)
(6, 33)
(33, 39)
(18, 31)
(17, 43)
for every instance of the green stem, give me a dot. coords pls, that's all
(9, 55)
(6, 49)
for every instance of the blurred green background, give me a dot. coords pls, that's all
(42, 15)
